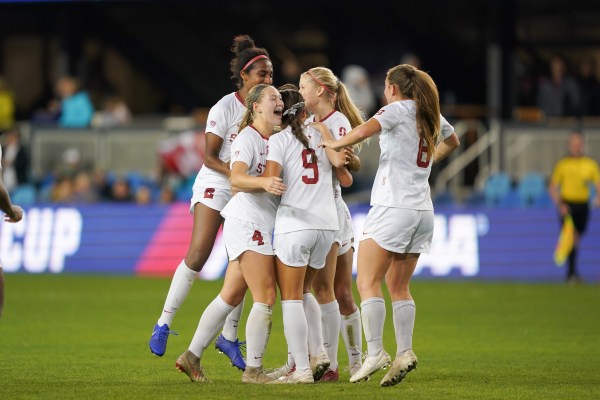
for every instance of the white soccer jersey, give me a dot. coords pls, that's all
(223, 120)
(308, 202)
(339, 126)
(403, 173)
(260, 208)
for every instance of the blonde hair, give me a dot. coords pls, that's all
(337, 94)
(254, 96)
(418, 86)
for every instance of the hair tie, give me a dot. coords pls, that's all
(253, 59)
(294, 109)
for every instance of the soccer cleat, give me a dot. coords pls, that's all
(233, 350)
(354, 368)
(370, 366)
(158, 340)
(319, 364)
(282, 371)
(190, 365)
(330, 376)
(255, 375)
(295, 377)
(401, 366)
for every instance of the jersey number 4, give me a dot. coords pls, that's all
(309, 161)
(423, 158)
(257, 237)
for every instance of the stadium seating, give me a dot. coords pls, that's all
(531, 188)
(497, 190)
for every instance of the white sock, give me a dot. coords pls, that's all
(258, 330)
(230, 329)
(315, 327)
(330, 320)
(296, 331)
(182, 282)
(210, 324)
(404, 324)
(352, 335)
(373, 318)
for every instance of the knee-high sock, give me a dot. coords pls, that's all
(182, 282)
(210, 324)
(330, 319)
(296, 331)
(352, 335)
(373, 318)
(230, 329)
(315, 327)
(404, 324)
(258, 330)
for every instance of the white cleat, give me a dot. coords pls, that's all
(295, 377)
(282, 371)
(371, 365)
(401, 366)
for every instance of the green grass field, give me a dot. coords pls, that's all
(86, 337)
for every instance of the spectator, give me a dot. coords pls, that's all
(82, 190)
(115, 113)
(76, 109)
(558, 94)
(7, 106)
(120, 190)
(15, 163)
(358, 83)
(589, 87)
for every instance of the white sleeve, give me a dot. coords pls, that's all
(216, 123)
(276, 147)
(243, 149)
(447, 129)
(385, 117)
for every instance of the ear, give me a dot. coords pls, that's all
(244, 76)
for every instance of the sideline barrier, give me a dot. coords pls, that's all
(486, 244)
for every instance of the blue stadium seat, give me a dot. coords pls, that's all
(24, 195)
(531, 188)
(496, 189)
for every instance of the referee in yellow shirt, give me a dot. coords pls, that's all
(570, 191)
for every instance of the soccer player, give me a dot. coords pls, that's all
(305, 227)
(327, 98)
(249, 222)
(14, 214)
(399, 225)
(211, 192)
(570, 191)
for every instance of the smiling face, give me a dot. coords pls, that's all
(269, 107)
(309, 89)
(259, 72)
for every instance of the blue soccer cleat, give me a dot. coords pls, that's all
(233, 350)
(158, 340)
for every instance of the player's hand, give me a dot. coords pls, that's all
(563, 209)
(597, 201)
(329, 144)
(15, 216)
(274, 185)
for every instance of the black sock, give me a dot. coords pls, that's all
(572, 271)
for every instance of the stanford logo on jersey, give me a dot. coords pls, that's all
(212, 124)
(209, 193)
(237, 153)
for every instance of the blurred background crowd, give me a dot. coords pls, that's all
(107, 101)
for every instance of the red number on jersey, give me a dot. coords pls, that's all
(309, 162)
(257, 237)
(209, 193)
(422, 157)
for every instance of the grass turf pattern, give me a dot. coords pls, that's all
(76, 337)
